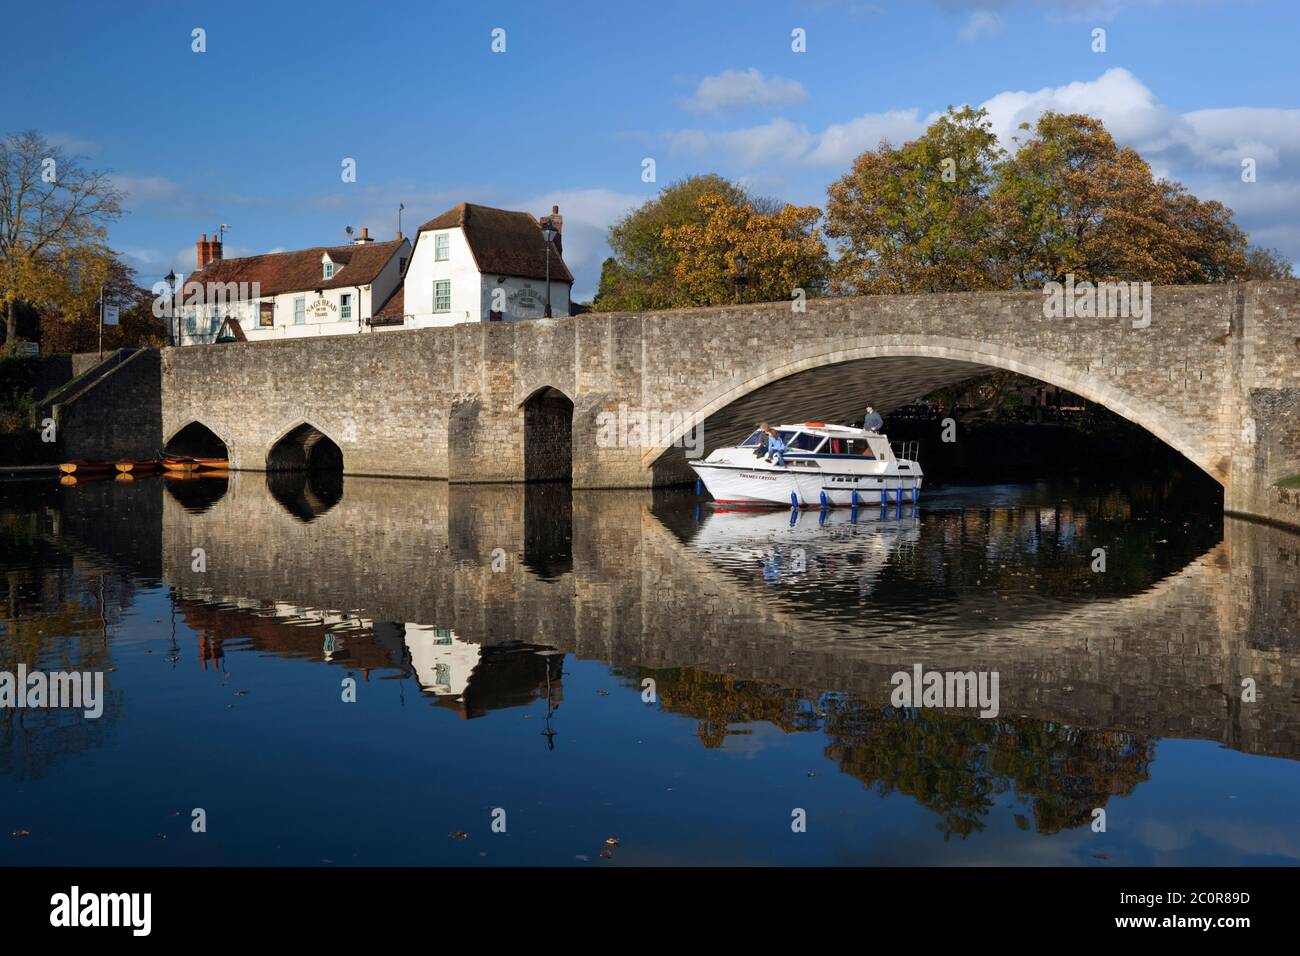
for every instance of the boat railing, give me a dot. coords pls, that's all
(905, 450)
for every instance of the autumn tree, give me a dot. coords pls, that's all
(640, 275)
(783, 252)
(53, 226)
(916, 218)
(1071, 200)
(77, 329)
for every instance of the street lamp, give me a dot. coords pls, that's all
(740, 278)
(170, 279)
(548, 233)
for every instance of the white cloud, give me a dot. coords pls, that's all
(146, 188)
(741, 89)
(781, 141)
(839, 143)
(1203, 148)
(980, 23)
(776, 141)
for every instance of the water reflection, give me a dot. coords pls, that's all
(196, 492)
(306, 494)
(499, 604)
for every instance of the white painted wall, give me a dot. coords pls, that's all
(471, 292)
(323, 312)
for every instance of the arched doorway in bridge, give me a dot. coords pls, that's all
(548, 436)
(305, 448)
(304, 472)
(197, 440)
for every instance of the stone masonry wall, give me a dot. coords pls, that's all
(118, 415)
(448, 403)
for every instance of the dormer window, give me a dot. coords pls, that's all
(329, 269)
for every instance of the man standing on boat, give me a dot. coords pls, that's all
(873, 422)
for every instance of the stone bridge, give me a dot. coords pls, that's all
(1215, 375)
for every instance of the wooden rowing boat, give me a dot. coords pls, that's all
(192, 463)
(86, 468)
(138, 466)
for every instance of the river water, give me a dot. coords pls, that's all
(380, 672)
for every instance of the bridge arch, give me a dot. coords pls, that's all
(970, 358)
(548, 435)
(304, 447)
(195, 439)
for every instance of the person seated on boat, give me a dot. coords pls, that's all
(775, 446)
(760, 450)
(873, 422)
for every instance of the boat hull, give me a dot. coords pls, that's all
(791, 486)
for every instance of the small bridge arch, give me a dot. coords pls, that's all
(548, 435)
(304, 447)
(197, 440)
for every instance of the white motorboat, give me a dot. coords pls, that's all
(824, 465)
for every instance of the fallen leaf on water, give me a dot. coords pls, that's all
(458, 835)
(603, 693)
(22, 833)
(607, 854)
(612, 841)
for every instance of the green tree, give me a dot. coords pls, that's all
(640, 275)
(1263, 263)
(916, 218)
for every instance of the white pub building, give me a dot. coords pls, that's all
(470, 264)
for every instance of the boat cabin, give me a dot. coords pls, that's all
(822, 440)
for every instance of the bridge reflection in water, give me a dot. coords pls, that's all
(460, 596)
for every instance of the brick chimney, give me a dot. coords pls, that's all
(214, 249)
(363, 238)
(204, 251)
(557, 223)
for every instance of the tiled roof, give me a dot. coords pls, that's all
(279, 272)
(391, 312)
(503, 242)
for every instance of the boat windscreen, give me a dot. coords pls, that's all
(801, 441)
(753, 439)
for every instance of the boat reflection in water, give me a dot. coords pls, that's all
(715, 669)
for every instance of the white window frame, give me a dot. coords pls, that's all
(345, 306)
(441, 246)
(329, 270)
(300, 310)
(441, 282)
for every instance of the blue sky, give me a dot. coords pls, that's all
(253, 132)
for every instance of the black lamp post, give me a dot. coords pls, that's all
(171, 283)
(548, 233)
(740, 278)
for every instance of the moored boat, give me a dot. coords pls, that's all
(86, 469)
(138, 466)
(824, 465)
(193, 463)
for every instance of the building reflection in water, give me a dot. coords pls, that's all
(741, 624)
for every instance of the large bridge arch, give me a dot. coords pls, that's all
(969, 358)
